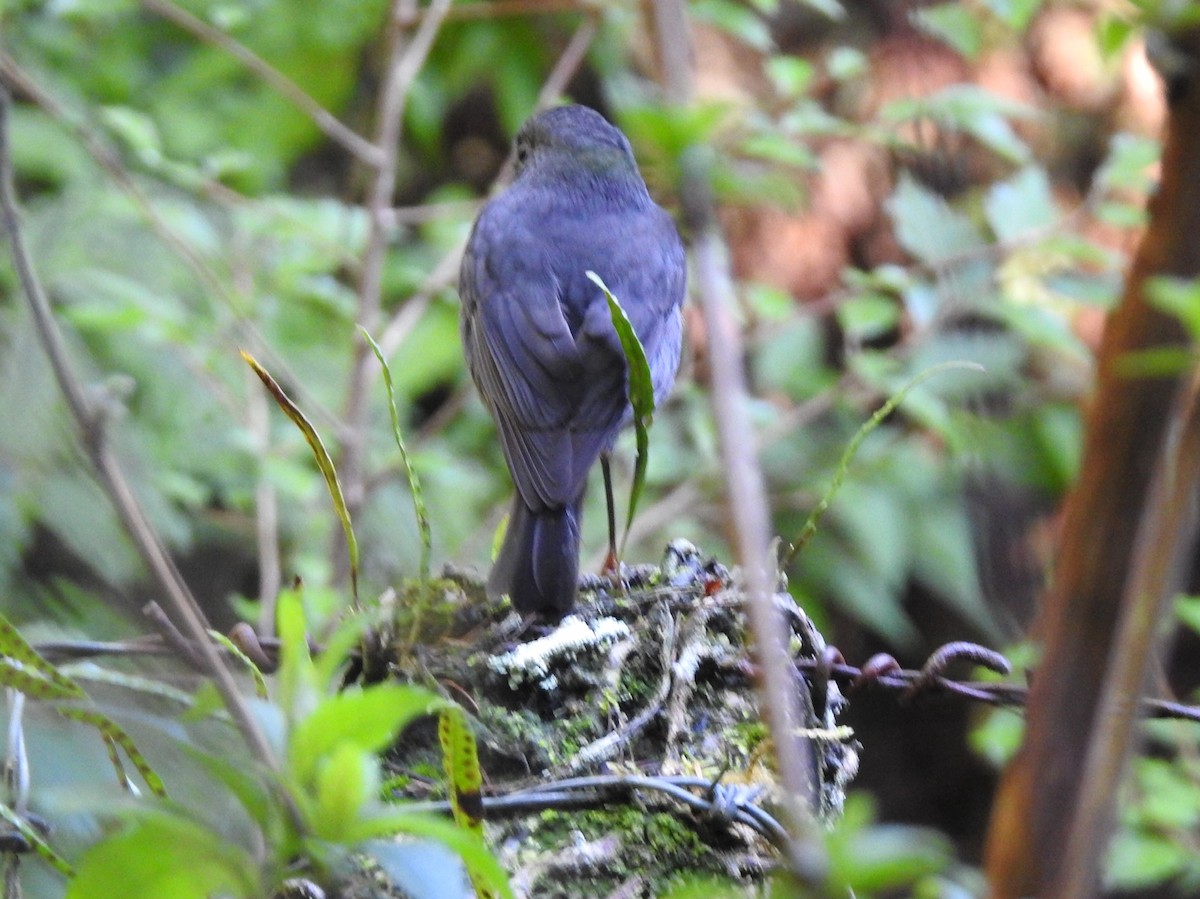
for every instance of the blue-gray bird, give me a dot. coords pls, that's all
(539, 339)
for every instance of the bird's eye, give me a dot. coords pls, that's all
(522, 154)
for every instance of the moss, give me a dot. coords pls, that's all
(702, 719)
(749, 735)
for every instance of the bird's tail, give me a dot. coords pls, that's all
(538, 564)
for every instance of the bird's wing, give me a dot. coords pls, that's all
(524, 360)
(646, 271)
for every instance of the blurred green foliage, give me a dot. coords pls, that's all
(232, 222)
(245, 231)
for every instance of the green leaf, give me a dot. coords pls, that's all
(115, 736)
(414, 483)
(972, 110)
(1020, 205)
(1015, 13)
(1187, 610)
(1113, 33)
(460, 757)
(324, 462)
(745, 24)
(954, 23)
(368, 719)
(260, 682)
(165, 855)
(40, 846)
(641, 395)
(336, 650)
(1157, 362)
(1142, 859)
(297, 677)
(1179, 297)
(868, 316)
(927, 227)
(790, 75)
(14, 649)
(1129, 162)
(485, 872)
(347, 784)
(421, 868)
(846, 62)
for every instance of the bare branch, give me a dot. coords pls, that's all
(112, 479)
(745, 488)
(496, 9)
(329, 124)
(112, 164)
(446, 270)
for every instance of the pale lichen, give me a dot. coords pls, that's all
(533, 662)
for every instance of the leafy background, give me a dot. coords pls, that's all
(901, 184)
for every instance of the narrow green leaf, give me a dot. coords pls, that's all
(92, 673)
(115, 736)
(414, 483)
(324, 462)
(641, 395)
(13, 675)
(336, 649)
(13, 646)
(40, 846)
(297, 677)
(460, 758)
(260, 682)
(810, 525)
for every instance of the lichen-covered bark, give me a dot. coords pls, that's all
(654, 680)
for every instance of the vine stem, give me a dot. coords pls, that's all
(405, 59)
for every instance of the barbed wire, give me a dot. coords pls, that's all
(883, 671)
(880, 671)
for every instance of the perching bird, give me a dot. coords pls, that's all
(539, 337)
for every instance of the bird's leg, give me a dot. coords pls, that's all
(612, 565)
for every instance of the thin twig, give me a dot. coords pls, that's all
(399, 216)
(746, 490)
(111, 163)
(446, 270)
(266, 513)
(503, 8)
(90, 427)
(405, 60)
(16, 782)
(329, 124)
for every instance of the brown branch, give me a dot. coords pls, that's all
(329, 124)
(1109, 570)
(91, 429)
(745, 487)
(1166, 534)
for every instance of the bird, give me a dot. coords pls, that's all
(539, 339)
